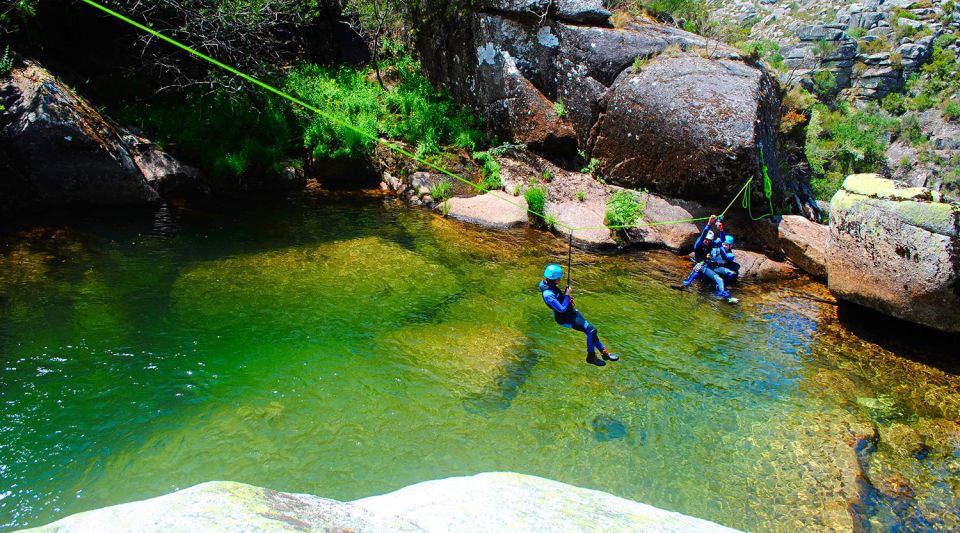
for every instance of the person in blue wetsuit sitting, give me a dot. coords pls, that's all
(567, 315)
(702, 250)
(722, 262)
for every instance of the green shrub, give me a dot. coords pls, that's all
(591, 167)
(874, 46)
(826, 186)
(951, 111)
(894, 103)
(762, 49)
(536, 199)
(6, 62)
(921, 102)
(639, 63)
(559, 108)
(581, 195)
(624, 209)
(412, 111)
(845, 141)
(547, 175)
(909, 128)
(441, 191)
(824, 83)
(490, 170)
(223, 133)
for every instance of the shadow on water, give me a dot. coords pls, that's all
(923, 345)
(508, 383)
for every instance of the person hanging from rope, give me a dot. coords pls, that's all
(701, 257)
(561, 303)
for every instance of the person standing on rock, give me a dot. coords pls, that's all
(561, 303)
(701, 257)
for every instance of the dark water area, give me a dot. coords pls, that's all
(344, 345)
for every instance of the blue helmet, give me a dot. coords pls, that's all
(728, 239)
(553, 272)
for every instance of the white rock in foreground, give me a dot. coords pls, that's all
(493, 502)
(505, 501)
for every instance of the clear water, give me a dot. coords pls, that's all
(347, 346)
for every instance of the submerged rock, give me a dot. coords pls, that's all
(895, 250)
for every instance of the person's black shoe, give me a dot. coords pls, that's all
(594, 360)
(609, 356)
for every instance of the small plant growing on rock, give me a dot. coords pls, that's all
(951, 111)
(620, 19)
(441, 191)
(673, 50)
(516, 190)
(639, 63)
(547, 175)
(581, 195)
(559, 108)
(490, 170)
(624, 209)
(445, 208)
(536, 198)
(591, 167)
(6, 62)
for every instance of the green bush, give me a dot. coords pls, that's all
(581, 195)
(591, 167)
(490, 170)
(536, 199)
(547, 175)
(6, 62)
(624, 209)
(951, 111)
(441, 191)
(412, 111)
(223, 133)
(909, 128)
(824, 83)
(845, 141)
(559, 108)
(894, 104)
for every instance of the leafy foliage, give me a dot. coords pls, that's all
(536, 199)
(490, 170)
(845, 141)
(412, 111)
(951, 111)
(624, 209)
(223, 132)
(6, 62)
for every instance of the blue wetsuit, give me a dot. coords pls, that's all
(701, 254)
(567, 316)
(723, 263)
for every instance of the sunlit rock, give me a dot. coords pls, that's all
(895, 250)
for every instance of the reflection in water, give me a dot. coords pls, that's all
(346, 346)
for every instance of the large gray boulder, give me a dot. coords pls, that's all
(690, 127)
(560, 82)
(896, 250)
(63, 151)
(499, 501)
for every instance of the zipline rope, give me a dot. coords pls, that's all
(400, 150)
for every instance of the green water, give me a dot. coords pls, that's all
(348, 346)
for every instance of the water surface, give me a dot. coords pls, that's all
(347, 346)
